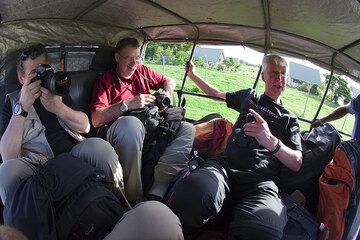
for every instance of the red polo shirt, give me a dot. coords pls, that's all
(111, 88)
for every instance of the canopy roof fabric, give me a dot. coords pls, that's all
(325, 32)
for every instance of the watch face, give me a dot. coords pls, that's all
(123, 107)
(17, 109)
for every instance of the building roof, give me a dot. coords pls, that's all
(208, 54)
(304, 73)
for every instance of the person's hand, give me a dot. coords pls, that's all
(51, 102)
(259, 129)
(316, 123)
(140, 101)
(190, 68)
(29, 92)
(167, 93)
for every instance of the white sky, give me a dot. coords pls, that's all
(253, 57)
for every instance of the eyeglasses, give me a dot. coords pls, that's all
(275, 74)
(137, 59)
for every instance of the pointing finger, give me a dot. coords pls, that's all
(258, 118)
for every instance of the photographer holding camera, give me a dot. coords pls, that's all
(127, 87)
(39, 124)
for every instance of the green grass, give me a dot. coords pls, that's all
(293, 99)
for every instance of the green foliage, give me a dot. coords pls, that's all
(338, 89)
(317, 90)
(174, 54)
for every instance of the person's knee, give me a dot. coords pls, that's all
(198, 197)
(256, 228)
(95, 148)
(155, 220)
(126, 130)
(187, 129)
(262, 215)
(12, 172)
(100, 154)
(10, 233)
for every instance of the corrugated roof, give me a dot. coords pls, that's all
(208, 54)
(304, 73)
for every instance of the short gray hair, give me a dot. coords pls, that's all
(273, 58)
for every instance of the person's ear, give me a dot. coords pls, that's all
(262, 76)
(117, 57)
(21, 78)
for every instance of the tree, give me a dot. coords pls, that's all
(178, 53)
(339, 88)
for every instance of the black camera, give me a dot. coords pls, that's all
(241, 139)
(250, 118)
(162, 101)
(56, 82)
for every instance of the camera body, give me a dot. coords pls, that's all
(161, 100)
(241, 139)
(56, 82)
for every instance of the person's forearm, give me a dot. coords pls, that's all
(336, 114)
(105, 115)
(169, 85)
(76, 120)
(10, 143)
(207, 88)
(289, 157)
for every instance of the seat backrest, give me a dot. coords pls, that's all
(81, 88)
(103, 59)
(8, 79)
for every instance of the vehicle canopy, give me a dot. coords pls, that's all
(324, 32)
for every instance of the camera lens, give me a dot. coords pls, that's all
(165, 101)
(161, 100)
(56, 82)
(61, 83)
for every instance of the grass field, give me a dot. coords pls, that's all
(293, 99)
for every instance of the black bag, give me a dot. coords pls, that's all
(318, 149)
(301, 224)
(66, 199)
(150, 118)
(157, 139)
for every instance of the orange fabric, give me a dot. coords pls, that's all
(211, 137)
(334, 198)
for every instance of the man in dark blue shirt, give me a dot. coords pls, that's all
(260, 144)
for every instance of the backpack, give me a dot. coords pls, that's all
(339, 197)
(65, 199)
(161, 127)
(318, 149)
(301, 224)
(211, 137)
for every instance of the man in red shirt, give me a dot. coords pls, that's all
(125, 88)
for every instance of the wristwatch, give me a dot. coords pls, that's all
(123, 107)
(19, 111)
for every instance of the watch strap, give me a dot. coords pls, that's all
(277, 148)
(22, 112)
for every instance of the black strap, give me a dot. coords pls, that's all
(207, 118)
